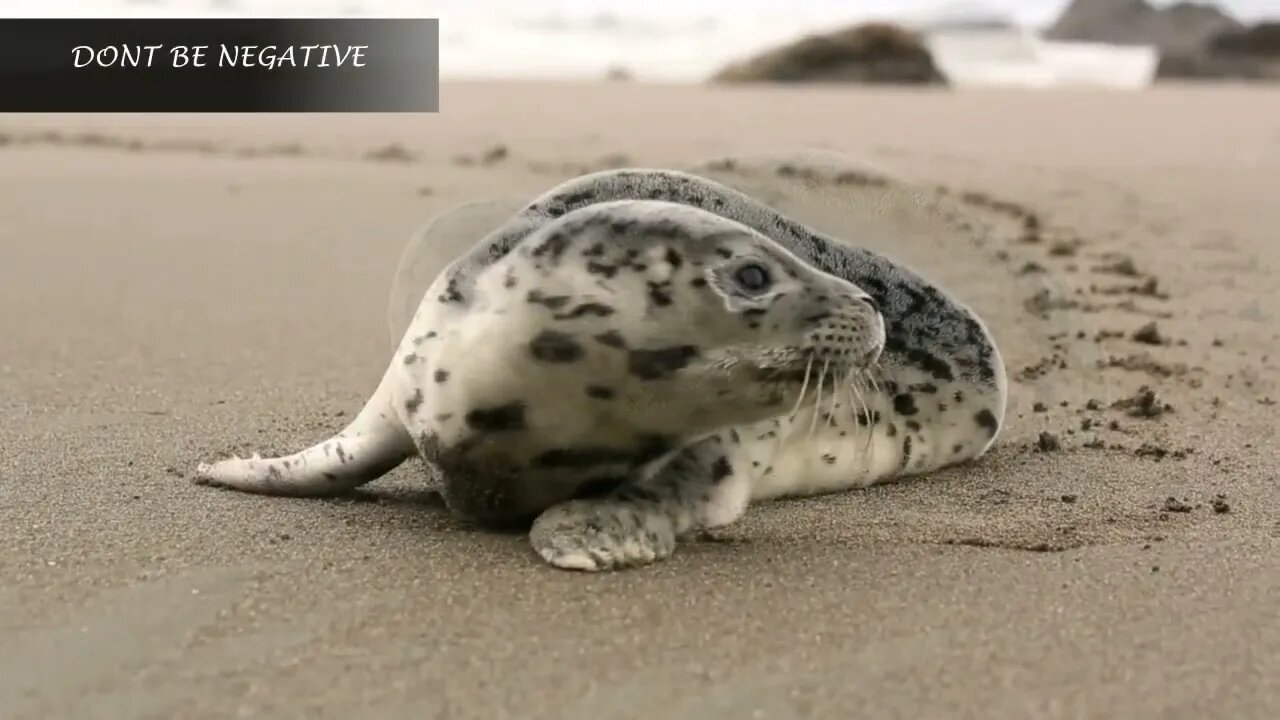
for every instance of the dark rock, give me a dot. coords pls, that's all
(878, 53)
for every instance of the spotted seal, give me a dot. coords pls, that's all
(638, 354)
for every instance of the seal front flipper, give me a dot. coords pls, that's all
(640, 522)
(373, 444)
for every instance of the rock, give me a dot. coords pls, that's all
(619, 73)
(879, 53)
(1178, 28)
(1195, 40)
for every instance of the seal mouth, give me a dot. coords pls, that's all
(800, 363)
(783, 365)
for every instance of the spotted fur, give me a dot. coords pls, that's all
(587, 367)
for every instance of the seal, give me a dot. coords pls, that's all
(639, 354)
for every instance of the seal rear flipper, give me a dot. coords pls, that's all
(373, 444)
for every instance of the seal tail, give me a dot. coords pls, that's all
(373, 444)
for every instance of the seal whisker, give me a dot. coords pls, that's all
(817, 401)
(791, 417)
(804, 387)
(871, 373)
(831, 407)
(868, 449)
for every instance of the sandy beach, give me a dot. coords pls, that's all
(177, 288)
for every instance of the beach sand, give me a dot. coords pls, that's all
(173, 289)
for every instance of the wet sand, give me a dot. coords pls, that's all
(173, 289)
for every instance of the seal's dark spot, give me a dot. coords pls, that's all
(600, 392)
(443, 416)
(551, 302)
(955, 449)
(554, 246)
(931, 364)
(659, 293)
(904, 404)
(590, 308)
(576, 198)
(660, 363)
(721, 469)
(555, 347)
(510, 280)
(611, 338)
(673, 258)
(924, 388)
(411, 358)
(873, 286)
(959, 396)
(828, 458)
(698, 282)
(596, 268)
(502, 418)
(892, 430)
(986, 419)
(906, 450)
(913, 426)
(451, 293)
(413, 403)
(442, 375)
(342, 454)
(667, 230)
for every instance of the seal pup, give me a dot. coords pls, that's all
(936, 398)
(603, 342)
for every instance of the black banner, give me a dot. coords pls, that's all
(220, 65)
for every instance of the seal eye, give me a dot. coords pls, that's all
(753, 278)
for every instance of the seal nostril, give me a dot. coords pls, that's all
(872, 302)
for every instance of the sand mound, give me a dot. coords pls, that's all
(867, 53)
